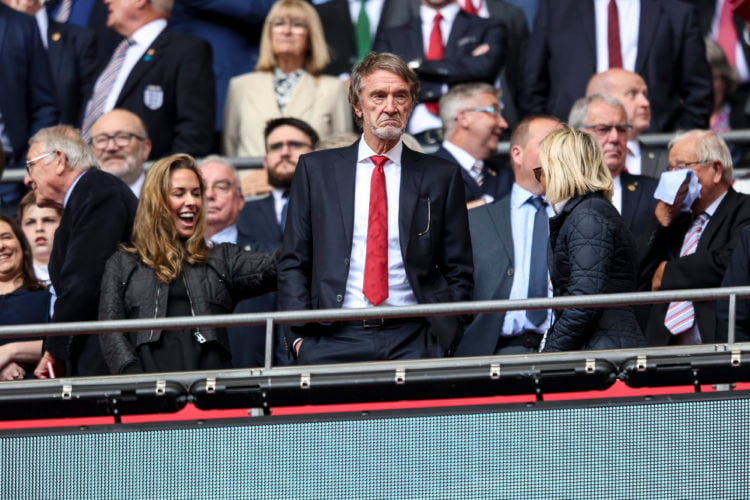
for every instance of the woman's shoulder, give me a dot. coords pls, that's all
(248, 78)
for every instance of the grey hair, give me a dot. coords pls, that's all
(222, 160)
(710, 147)
(68, 140)
(577, 116)
(453, 101)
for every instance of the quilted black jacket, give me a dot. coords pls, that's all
(591, 252)
(130, 290)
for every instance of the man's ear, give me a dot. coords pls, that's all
(516, 154)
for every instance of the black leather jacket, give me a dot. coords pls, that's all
(130, 290)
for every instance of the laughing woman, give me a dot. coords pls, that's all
(591, 249)
(170, 271)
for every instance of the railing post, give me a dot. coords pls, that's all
(732, 319)
(270, 347)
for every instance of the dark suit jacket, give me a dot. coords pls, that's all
(172, 90)
(72, 57)
(561, 57)
(339, 30)
(737, 274)
(433, 228)
(654, 160)
(98, 217)
(492, 245)
(258, 231)
(638, 202)
(27, 94)
(703, 269)
(457, 65)
(498, 178)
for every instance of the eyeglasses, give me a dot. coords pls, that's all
(223, 187)
(602, 129)
(31, 162)
(493, 110)
(538, 174)
(122, 139)
(298, 26)
(296, 145)
(681, 166)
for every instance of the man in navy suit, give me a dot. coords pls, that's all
(98, 211)
(473, 50)
(261, 226)
(376, 224)
(472, 125)
(165, 78)
(605, 118)
(502, 239)
(661, 41)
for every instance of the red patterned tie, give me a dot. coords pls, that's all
(435, 53)
(375, 286)
(727, 35)
(613, 36)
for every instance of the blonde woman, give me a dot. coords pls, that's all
(591, 249)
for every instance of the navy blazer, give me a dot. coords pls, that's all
(72, 57)
(433, 229)
(98, 217)
(498, 177)
(494, 268)
(457, 65)
(703, 269)
(561, 57)
(638, 202)
(172, 89)
(27, 94)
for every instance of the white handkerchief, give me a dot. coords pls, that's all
(669, 185)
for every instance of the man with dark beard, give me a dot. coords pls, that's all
(376, 224)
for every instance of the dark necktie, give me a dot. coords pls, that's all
(538, 264)
(613, 36)
(284, 207)
(435, 52)
(375, 284)
(364, 42)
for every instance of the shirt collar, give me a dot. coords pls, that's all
(72, 187)
(137, 186)
(365, 152)
(711, 209)
(448, 12)
(519, 195)
(462, 157)
(226, 235)
(146, 34)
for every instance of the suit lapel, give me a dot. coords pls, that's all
(344, 171)
(458, 31)
(628, 188)
(719, 218)
(412, 171)
(588, 25)
(150, 59)
(649, 23)
(55, 41)
(501, 223)
(263, 97)
(268, 213)
(303, 96)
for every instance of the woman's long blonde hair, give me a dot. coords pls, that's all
(155, 237)
(573, 165)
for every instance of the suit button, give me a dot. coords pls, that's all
(510, 271)
(339, 298)
(346, 261)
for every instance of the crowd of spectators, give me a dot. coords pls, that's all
(100, 88)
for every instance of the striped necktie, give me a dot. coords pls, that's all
(103, 87)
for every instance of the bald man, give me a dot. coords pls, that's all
(631, 90)
(121, 145)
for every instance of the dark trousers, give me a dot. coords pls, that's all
(348, 342)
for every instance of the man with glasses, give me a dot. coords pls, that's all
(691, 249)
(98, 211)
(605, 118)
(121, 144)
(472, 126)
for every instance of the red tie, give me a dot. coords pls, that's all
(727, 35)
(613, 36)
(435, 53)
(375, 286)
(469, 8)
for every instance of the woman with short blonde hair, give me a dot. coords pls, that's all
(591, 249)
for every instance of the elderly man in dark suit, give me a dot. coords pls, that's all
(98, 211)
(502, 239)
(376, 224)
(658, 39)
(163, 77)
(605, 118)
(692, 249)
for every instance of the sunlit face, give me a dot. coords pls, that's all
(11, 254)
(223, 200)
(39, 225)
(631, 91)
(125, 148)
(384, 106)
(42, 178)
(284, 146)
(290, 35)
(483, 120)
(614, 142)
(709, 174)
(185, 202)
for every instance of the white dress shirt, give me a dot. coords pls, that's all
(467, 162)
(399, 289)
(633, 158)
